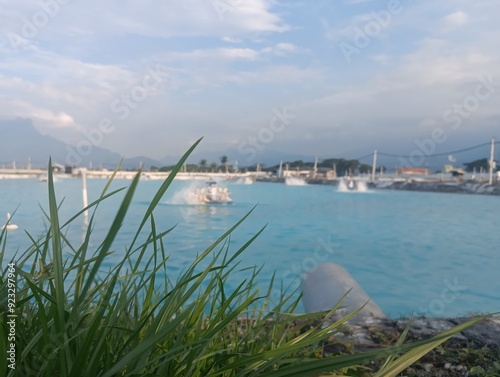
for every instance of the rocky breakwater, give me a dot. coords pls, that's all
(467, 187)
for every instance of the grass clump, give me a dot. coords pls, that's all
(134, 321)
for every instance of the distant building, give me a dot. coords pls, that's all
(458, 173)
(413, 171)
(331, 174)
(448, 168)
(58, 168)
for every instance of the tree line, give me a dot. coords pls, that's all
(341, 165)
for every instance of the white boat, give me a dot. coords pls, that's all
(9, 225)
(349, 184)
(45, 178)
(212, 193)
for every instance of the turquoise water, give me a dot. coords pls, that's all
(406, 249)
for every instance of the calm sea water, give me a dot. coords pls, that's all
(406, 249)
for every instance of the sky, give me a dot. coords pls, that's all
(327, 78)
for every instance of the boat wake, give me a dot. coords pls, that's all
(211, 194)
(185, 196)
(290, 181)
(245, 181)
(9, 225)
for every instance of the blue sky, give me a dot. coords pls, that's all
(353, 75)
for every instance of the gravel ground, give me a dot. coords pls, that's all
(475, 352)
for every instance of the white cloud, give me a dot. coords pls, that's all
(95, 22)
(355, 26)
(409, 96)
(226, 71)
(232, 40)
(217, 53)
(277, 74)
(60, 92)
(281, 49)
(381, 58)
(456, 19)
(54, 120)
(357, 1)
(175, 18)
(286, 48)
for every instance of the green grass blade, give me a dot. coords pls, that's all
(163, 188)
(113, 231)
(59, 293)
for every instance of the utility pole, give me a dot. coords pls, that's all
(492, 160)
(374, 167)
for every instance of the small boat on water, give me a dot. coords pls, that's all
(212, 193)
(348, 184)
(9, 225)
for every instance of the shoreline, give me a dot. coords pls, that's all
(466, 187)
(413, 184)
(420, 184)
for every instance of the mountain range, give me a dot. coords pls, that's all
(22, 144)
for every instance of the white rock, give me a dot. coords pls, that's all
(325, 285)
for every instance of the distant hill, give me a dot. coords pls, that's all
(20, 141)
(267, 158)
